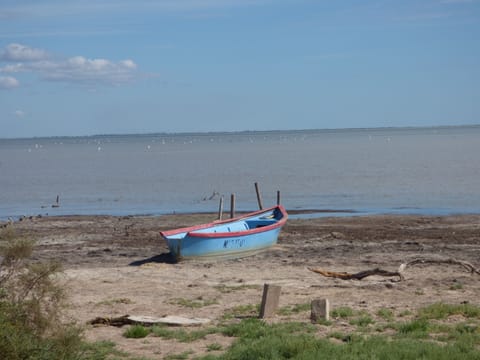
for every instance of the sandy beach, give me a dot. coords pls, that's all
(115, 266)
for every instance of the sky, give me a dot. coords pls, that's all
(74, 68)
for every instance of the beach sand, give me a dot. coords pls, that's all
(115, 266)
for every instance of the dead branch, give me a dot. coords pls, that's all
(114, 321)
(363, 274)
(449, 261)
(357, 276)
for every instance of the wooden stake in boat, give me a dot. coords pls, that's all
(232, 206)
(278, 197)
(259, 197)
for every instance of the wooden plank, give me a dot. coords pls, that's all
(170, 320)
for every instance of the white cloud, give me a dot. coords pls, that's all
(77, 69)
(8, 82)
(81, 69)
(18, 52)
(129, 64)
(19, 113)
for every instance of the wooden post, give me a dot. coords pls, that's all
(278, 197)
(232, 206)
(270, 300)
(320, 310)
(57, 203)
(220, 208)
(259, 197)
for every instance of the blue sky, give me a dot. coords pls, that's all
(118, 66)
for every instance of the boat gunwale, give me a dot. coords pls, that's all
(189, 230)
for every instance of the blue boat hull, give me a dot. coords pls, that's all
(234, 238)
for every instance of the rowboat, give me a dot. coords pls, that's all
(232, 238)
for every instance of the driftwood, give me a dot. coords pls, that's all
(363, 274)
(449, 261)
(147, 320)
(357, 276)
(118, 321)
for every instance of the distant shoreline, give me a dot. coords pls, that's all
(293, 213)
(248, 132)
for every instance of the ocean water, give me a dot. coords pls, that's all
(409, 170)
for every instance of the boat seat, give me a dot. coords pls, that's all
(253, 224)
(224, 228)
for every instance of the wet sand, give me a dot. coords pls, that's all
(120, 265)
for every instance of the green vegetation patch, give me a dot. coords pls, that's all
(116, 301)
(385, 314)
(136, 332)
(442, 311)
(248, 310)
(182, 356)
(294, 309)
(256, 328)
(342, 312)
(423, 337)
(193, 304)
(417, 328)
(214, 347)
(362, 321)
(258, 340)
(182, 335)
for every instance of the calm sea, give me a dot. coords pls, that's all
(418, 170)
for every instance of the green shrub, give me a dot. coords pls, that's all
(31, 304)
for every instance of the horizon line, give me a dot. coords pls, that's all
(242, 132)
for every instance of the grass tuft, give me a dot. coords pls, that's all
(342, 312)
(385, 314)
(181, 334)
(136, 332)
(214, 347)
(193, 304)
(294, 309)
